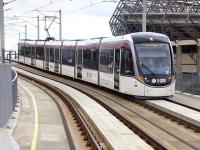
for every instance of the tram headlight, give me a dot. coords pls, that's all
(173, 78)
(142, 78)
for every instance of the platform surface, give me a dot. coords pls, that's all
(116, 134)
(50, 133)
(187, 99)
(7, 142)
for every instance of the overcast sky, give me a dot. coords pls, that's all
(80, 19)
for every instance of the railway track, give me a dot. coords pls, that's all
(87, 135)
(192, 108)
(149, 123)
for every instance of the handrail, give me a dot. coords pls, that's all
(14, 79)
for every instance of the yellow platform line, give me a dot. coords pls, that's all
(35, 133)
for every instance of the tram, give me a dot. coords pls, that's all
(139, 64)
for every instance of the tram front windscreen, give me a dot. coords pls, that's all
(154, 62)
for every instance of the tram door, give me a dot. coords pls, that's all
(57, 60)
(79, 64)
(47, 58)
(117, 69)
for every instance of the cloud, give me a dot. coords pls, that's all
(77, 20)
(87, 27)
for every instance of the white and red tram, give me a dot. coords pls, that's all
(139, 64)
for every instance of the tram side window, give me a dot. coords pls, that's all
(19, 50)
(32, 52)
(40, 53)
(47, 54)
(27, 51)
(126, 62)
(22, 51)
(51, 55)
(106, 60)
(79, 57)
(90, 59)
(68, 56)
(57, 55)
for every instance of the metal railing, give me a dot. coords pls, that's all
(188, 82)
(14, 88)
(8, 93)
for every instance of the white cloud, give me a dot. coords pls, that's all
(86, 27)
(78, 21)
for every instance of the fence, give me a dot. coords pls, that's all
(188, 82)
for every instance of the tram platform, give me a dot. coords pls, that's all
(187, 99)
(119, 137)
(115, 133)
(7, 142)
(39, 124)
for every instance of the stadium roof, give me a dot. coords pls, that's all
(179, 19)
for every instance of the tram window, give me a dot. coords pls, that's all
(57, 55)
(40, 53)
(27, 51)
(20, 50)
(126, 62)
(47, 54)
(51, 55)
(79, 57)
(68, 56)
(32, 52)
(106, 60)
(90, 59)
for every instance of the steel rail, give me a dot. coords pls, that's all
(89, 135)
(87, 90)
(155, 143)
(178, 118)
(181, 104)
